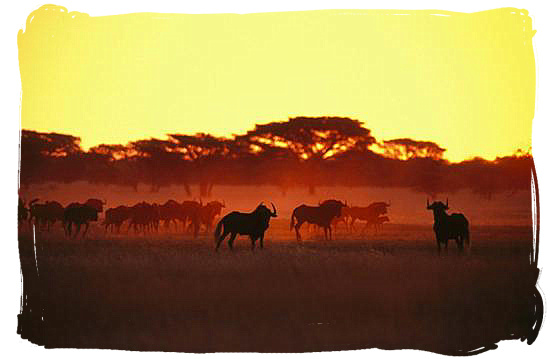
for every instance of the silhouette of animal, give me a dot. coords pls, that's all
(321, 215)
(78, 214)
(343, 218)
(253, 224)
(448, 227)
(96, 203)
(209, 212)
(191, 214)
(369, 213)
(170, 212)
(45, 213)
(377, 222)
(115, 217)
(144, 217)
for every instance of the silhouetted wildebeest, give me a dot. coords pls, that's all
(253, 224)
(448, 227)
(369, 213)
(321, 216)
(377, 222)
(115, 217)
(209, 212)
(191, 213)
(144, 217)
(170, 212)
(78, 214)
(96, 203)
(22, 211)
(45, 213)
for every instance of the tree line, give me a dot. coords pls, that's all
(300, 152)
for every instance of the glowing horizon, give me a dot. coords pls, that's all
(463, 81)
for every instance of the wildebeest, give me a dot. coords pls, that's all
(78, 214)
(45, 213)
(144, 217)
(171, 212)
(253, 224)
(191, 213)
(448, 227)
(115, 217)
(377, 222)
(321, 216)
(369, 213)
(96, 203)
(209, 212)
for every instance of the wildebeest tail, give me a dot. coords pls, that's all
(218, 231)
(292, 219)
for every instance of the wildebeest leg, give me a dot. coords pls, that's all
(253, 240)
(231, 239)
(297, 229)
(85, 230)
(262, 240)
(77, 230)
(351, 227)
(68, 228)
(220, 239)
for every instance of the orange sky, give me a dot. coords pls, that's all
(464, 81)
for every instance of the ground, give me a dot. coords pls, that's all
(388, 290)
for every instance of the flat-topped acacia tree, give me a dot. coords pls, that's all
(310, 140)
(204, 152)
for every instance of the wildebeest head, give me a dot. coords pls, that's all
(216, 206)
(263, 209)
(437, 206)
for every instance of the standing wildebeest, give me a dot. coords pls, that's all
(78, 214)
(369, 213)
(96, 203)
(253, 224)
(209, 212)
(171, 212)
(191, 212)
(446, 227)
(45, 213)
(144, 217)
(115, 217)
(321, 216)
(377, 222)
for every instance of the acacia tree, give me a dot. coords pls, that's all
(162, 164)
(49, 156)
(205, 152)
(309, 140)
(406, 148)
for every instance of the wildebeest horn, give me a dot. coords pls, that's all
(274, 209)
(427, 202)
(447, 202)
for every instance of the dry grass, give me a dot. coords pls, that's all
(390, 290)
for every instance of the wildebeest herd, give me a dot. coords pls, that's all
(193, 216)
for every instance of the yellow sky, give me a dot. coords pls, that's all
(465, 81)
